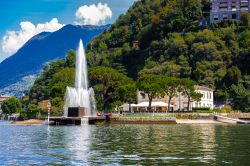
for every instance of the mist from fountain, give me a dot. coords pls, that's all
(81, 95)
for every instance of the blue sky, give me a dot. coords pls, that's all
(13, 12)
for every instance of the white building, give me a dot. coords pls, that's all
(177, 102)
(208, 97)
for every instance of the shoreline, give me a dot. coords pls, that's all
(177, 121)
(29, 122)
(197, 121)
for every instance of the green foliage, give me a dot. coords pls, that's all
(170, 87)
(31, 112)
(245, 19)
(241, 97)
(53, 82)
(220, 95)
(127, 93)
(150, 86)
(11, 105)
(187, 116)
(187, 87)
(201, 109)
(233, 76)
(110, 86)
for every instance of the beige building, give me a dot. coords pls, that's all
(43, 104)
(177, 102)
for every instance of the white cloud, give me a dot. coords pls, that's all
(93, 15)
(13, 40)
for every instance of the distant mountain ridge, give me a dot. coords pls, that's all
(30, 59)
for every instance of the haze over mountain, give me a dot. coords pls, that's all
(18, 72)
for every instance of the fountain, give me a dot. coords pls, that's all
(80, 100)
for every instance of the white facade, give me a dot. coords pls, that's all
(208, 98)
(181, 101)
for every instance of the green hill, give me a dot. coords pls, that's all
(171, 42)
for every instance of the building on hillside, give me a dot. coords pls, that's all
(177, 102)
(228, 9)
(43, 104)
(2, 98)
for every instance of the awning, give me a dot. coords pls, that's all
(153, 104)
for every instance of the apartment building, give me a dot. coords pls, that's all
(228, 9)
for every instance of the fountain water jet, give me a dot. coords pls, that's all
(81, 97)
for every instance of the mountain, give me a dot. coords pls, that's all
(29, 60)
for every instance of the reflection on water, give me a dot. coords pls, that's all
(125, 145)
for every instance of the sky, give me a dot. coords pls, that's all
(22, 19)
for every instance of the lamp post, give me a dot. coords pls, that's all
(49, 106)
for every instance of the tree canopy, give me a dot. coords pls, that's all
(108, 85)
(11, 105)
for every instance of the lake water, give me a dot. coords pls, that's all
(184, 144)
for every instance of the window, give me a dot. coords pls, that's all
(234, 16)
(216, 17)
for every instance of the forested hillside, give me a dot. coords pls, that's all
(172, 42)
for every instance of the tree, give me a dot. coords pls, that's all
(60, 81)
(233, 76)
(11, 105)
(245, 19)
(241, 97)
(170, 87)
(220, 95)
(106, 82)
(189, 90)
(128, 93)
(150, 86)
(31, 111)
(196, 96)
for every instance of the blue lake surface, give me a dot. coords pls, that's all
(184, 144)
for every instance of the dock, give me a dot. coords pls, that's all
(58, 121)
(230, 120)
(91, 120)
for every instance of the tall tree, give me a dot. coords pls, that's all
(241, 97)
(128, 94)
(245, 19)
(11, 105)
(150, 86)
(189, 90)
(106, 82)
(170, 86)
